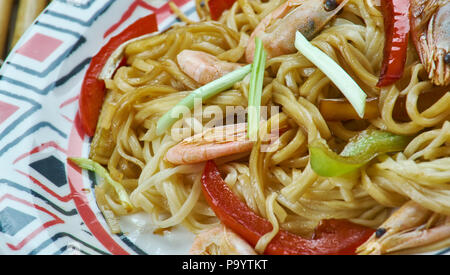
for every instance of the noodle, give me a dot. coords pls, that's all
(280, 185)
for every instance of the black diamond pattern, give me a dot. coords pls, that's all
(51, 168)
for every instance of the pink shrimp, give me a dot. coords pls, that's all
(277, 30)
(211, 144)
(204, 67)
(215, 143)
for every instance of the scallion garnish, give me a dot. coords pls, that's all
(335, 73)
(255, 92)
(95, 167)
(204, 93)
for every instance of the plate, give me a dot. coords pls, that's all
(46, 206)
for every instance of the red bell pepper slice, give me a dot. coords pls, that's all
(217, 7)
(93, 88)
(332, 237)
(397, 28)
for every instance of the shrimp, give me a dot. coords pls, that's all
(204, 67)
(406, 228)
(430, 29)
(220, 241)
(215, 143)
(277, 30)
(211, 144)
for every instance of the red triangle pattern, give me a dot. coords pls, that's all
(6, 110)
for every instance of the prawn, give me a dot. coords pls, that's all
(277, 30)
(204, 67)
(406, 228)
(211, 144)
(430, 29)
(214, 143)
(220, 241)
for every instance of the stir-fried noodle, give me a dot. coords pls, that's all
(280, 184)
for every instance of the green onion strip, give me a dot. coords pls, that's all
(204, 93)
(334, 72)
(255, 92)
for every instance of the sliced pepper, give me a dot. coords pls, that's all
(341, 109)
(358, 152)
(331, 237)
(217, 7)
(397, 28)
(93, 88)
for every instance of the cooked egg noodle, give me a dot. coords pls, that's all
(280, 185)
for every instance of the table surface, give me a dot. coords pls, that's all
(11, 29)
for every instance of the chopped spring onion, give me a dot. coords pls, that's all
(255, 93)
(358, 152)
(335, 73)
(204, 93)
(95, 167)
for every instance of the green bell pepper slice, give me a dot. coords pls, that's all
(358, 152)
